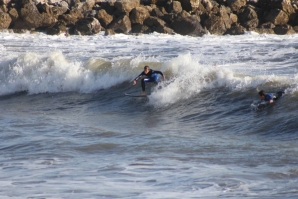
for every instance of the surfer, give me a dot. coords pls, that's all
(266, 96)
(151, 76)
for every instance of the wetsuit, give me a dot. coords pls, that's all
(268, 97)
(151, 76)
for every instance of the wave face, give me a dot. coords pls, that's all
(68, 126)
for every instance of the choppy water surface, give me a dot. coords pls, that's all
(68, 131)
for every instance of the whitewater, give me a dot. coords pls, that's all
(68, 130)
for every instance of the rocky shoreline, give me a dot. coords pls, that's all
(185, 17)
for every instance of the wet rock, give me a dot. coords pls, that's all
(57, 28)
(104, 18)
(188, 26)
(156, 12)
(174, 7)
(121, 25)
(277, 17)
(140, 28)
(284, 29)
(88, 26)
(139, 14)
(109, 32)
(5, 20)
(219, 22)
(236, 29)
(126, 6)
(235, 5)
(190, 5)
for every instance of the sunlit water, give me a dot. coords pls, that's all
(68, 130)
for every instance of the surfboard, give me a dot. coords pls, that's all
(132, 95)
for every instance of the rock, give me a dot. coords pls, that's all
(4, 2)
(121, 25)
(126, 6)
(285, 5)
(295, 28)
(140, 28)
(57, 28)
(68, 19)
(188, 26)
(262, 30)
(31, 18)
(76, 13)
(236, 29)
(57, 10)
(104, 18)
(13, 13)
(277, 17)
(174, 7)
(235, 5)
(156, 13)
(190, 5)
(5, 20)
(88, 26)
(158, 25)
(248, 17)
(207, 5)
(284, 29)
(234, 18)
(109, 32)
(138, 15)
(153, 22)
(267, 25)
(247, 13)
(155, 2)
(164, 29)
(218, 23)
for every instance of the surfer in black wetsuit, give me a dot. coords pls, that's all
(151, 76)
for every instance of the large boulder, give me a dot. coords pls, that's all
(154, 22)
(140, 28)
(158, 25)
(68, 19)
(235, 5)
(31, 18)
(104, 18)
(284, 29)
(126, 6)
(218, 23)
(190, 5)
(88, 26)
(5, 20)
(154, 2)
(121, 25)
(236, 29)
(57, 28)
(188, 26)
(4, 2)
(156, 12)
(174, 7)
(277, 17)
(248, 17)
(139, 14)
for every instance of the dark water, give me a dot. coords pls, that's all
(68, 130)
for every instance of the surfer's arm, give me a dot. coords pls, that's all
(159, 72)
(136, 79)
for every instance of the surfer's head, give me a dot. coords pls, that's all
(146, 69)
(262, 93)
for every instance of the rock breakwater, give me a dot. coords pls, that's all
(185, 17)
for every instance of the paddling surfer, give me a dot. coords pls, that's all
(151, 76)
(266, 96)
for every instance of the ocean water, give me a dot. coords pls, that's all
(68, 131)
